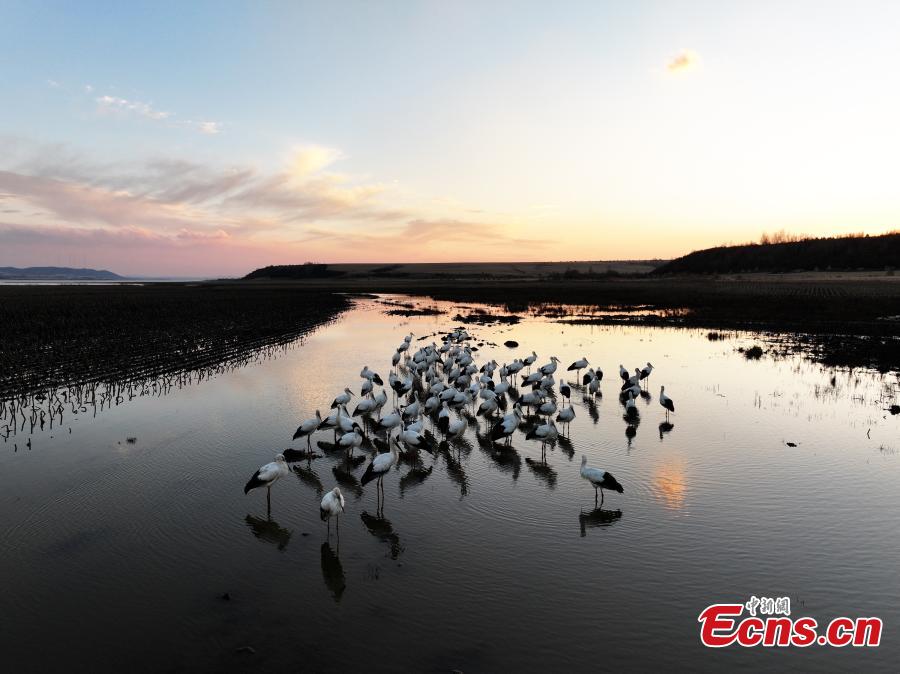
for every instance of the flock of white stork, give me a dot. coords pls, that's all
(445, 386)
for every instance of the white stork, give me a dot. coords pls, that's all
(266, 476)
(599, 479)
(332, 506)
(666, 402)
(307, 428)
(578, 366)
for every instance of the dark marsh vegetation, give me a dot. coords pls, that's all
(837, 305)
(846, 319)
(55, 336)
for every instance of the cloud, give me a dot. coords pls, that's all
(172, 194)
(209, 128)
(684, 61)
(64, 200)
(414, 235)
(109, 104)
(59, 235)
(116, 105)
(311, 159)
(79, 203)
(205, 127)
(303, 191)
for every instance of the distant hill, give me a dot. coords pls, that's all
(293, 271)
(411, 271)
(57, 274)
(838, 253)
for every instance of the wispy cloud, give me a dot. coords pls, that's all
(310, 159)
(108, 104)
(303, 209)
(683, 61)
(209, 128)
(417, 235)
(115, 105)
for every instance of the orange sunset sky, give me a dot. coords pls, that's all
(212, 138)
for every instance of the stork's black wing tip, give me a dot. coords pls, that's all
(253, 483)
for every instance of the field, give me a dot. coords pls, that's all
(84, 335)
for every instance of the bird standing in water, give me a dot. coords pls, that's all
(378, 468)
(666, 401)
(308, 427)
(332, 506)
(578, 366)
(599, 479)
(266, 476)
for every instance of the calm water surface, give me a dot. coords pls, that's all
(116, 554)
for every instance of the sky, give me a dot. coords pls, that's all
(211, 138)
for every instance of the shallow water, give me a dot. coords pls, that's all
(116, 554)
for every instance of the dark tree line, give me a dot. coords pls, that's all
(838, 253)
(294, 271)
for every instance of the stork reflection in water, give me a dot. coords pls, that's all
(597, 518)
(381, 527)
(268, 531)
(664, 428)
(309, 477)
(344, 476)
(543, 471)
(332, 571)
